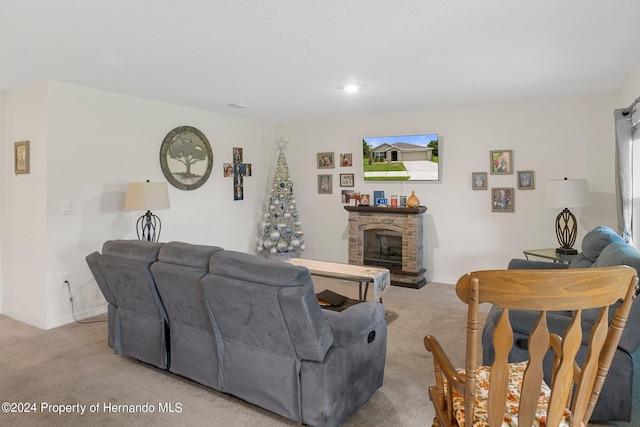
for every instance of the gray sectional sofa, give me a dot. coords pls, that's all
(242, 325)
(601, 247)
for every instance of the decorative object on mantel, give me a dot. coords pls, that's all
(186, 158)
(282, 236)
(146, 196)
(566, 193)
(238, 170)
(413, 201)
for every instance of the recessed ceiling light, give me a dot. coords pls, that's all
(351, 88)
(237, 105)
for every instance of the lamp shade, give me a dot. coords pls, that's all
(146, 196)
(566, 193)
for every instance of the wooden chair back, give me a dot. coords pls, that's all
(574, 386)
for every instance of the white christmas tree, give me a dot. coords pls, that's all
(282, 236)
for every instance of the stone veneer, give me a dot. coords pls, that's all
(406, 221)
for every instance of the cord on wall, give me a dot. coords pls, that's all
(73, 311)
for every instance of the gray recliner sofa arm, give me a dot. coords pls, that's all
(353, 322)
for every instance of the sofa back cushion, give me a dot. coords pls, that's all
(618, 254)
(597, 239)
(177, 274)
(140, 316)
(269, 320)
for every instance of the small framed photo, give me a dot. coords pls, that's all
(502, 199)
(21, 157)
(325, 161)
(325, 184)
(346, 180)
(364, 200)
(525, 180)
(346, 159)
(346, 196)
(501, 162)
(478, 180)
(402, 201)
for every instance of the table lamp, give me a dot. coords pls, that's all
(566, 193)
(146, 196)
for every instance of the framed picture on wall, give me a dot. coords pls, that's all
(478, 180)
(525, 180)
(21, 157)
(346, 159)
(346, 180)
(325, 184)
(325, 161)
(502, 199)
(501, 162)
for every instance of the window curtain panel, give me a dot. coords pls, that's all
(626, 132)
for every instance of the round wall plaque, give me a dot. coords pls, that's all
(186, 158)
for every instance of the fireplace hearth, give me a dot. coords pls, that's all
(391, 238)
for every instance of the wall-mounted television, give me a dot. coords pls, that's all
(402, 158)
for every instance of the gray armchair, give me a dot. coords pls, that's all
(601, 247)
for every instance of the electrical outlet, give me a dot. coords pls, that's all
(65, 277)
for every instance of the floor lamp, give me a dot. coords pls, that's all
(566, 193)
(147, 196)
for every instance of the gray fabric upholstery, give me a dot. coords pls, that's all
(601, 247)
(92, 261)
(243, 325)
(192, 350)
(352, 369)
(140, 325)
(596, 240)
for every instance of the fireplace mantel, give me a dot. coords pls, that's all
(387, 210)
(369, 224)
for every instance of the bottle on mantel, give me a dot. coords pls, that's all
(413, 201)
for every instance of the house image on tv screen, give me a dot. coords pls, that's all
(402, 158)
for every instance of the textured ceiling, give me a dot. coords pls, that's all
(287, 59)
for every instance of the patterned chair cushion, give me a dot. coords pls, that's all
(516, 373)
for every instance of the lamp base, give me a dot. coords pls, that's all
(566, 251)
(148, 227)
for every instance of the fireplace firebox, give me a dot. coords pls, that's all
(391, 238)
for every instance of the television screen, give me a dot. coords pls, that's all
(402, 158)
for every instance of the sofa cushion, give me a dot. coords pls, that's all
(618, 254)
(196, 256)
(597, 239)
(252, 268)
(139, 250)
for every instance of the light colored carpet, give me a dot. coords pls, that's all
(73, 365)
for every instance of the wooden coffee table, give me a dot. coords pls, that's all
(364, 275)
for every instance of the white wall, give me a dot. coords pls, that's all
(556, 137)
(87, 144)
(95, 143)
(24, 207)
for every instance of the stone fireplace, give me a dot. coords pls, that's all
(391, 238)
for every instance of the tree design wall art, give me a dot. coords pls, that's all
(186, 158)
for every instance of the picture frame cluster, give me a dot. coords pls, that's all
(501, 163)
(326, 160)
